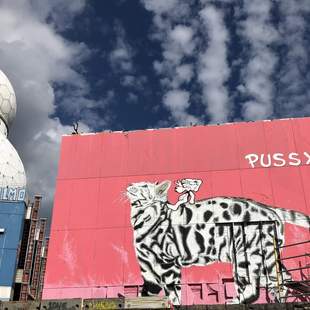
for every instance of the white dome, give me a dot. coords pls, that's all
(12, 172)
(3, 128)
(7, 100)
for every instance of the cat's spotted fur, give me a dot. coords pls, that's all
(220, 229)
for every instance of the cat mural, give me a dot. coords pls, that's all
(170, 237)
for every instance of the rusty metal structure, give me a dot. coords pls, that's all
(32, 255)
(299, 290)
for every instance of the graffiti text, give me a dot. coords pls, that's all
(13, 194)
(278, 159)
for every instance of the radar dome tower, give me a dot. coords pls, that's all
(12, 173)
(12, 192)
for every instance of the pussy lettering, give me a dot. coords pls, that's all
(278, 159)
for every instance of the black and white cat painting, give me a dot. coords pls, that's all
(169, 237)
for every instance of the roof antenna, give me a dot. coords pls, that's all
(75, 128)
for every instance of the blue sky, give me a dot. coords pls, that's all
(135, 64)
(169, 63)
(119, 69)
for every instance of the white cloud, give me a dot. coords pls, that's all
(122, 62)
(178, 42)
(294, 92)
(254, 110)
(160, 6)
(132, 98)
(272, 38)
(213, 66)
(184, 73)
(182, 36)
(60, 13)
(134, 81)
(178, 101)
(121, 55)
(128, 80)
(183, 62)
(260, 33)
(34, 57)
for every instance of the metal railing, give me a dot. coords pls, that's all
(298, 289)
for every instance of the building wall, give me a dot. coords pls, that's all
(93, 252)
(11, 223)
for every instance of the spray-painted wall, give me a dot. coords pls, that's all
(190, 212)
(11, 223)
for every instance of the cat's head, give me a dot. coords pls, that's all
(146, 201)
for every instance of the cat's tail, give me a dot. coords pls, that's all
(293, 217)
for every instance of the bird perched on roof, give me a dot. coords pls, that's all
(75, 128)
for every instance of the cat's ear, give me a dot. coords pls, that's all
(132, 189)
(161, 190)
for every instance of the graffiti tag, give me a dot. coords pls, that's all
(278, 159)
(12, 194)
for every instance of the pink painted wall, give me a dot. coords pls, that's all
(91, 251)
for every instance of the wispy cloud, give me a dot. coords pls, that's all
(178, 101)
(178, 44)
(259, 33)
(160, 6)
(214, 71)
(121, 59)
(186, 64)
(195, 61)
(58, 12)
(272, 69)
(121, 55)
(293, 93)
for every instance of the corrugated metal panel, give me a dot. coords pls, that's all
(91, 231)
(12, 208)
(11, 220)
(7, 266)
